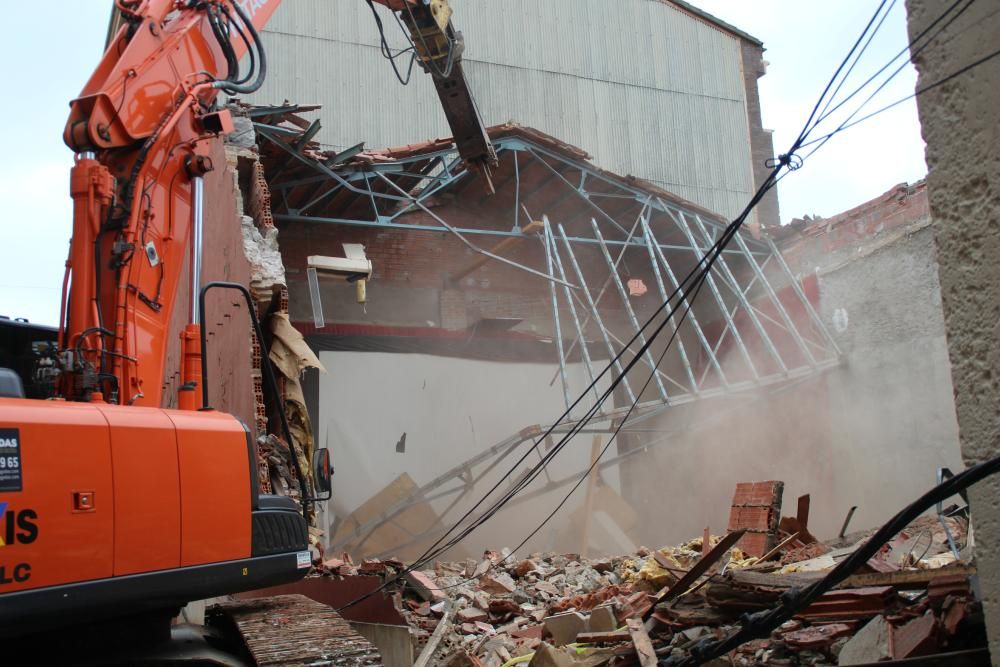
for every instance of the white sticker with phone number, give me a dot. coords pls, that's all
(303, 559)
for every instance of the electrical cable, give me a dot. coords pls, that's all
(709, 259)
(857, 59)
(760, 624)
(847, 121)
(788, 160)
(698, 273)
(808, 124)
(908, 49)
(824, 138)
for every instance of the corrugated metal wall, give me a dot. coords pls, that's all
(645, 88)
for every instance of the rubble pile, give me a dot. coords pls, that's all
(561, 610)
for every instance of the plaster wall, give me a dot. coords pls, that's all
(962, 130)
(871, 432)
(450, 409)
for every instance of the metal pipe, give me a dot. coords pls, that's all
(198, 206)
(472, 246)
(713, 360)
(628, 307)
(761, 331)
(597, 316)
(555, 319)
(466, 231)
(817, 320)
(666, 297)
(584, 352)
(699, 255)
(578, 191)
(772, 295)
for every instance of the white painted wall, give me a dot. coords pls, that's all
(450, 409)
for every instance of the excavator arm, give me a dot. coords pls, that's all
(129, 512)
(141, 129)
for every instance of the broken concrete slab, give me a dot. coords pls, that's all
(500, 582)
(565, 627)
(424, 586)
(602, 619)
(870, 644)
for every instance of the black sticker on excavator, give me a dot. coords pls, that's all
(10, 459)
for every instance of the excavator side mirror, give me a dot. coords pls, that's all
(322, 474)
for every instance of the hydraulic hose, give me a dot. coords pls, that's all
(234, 87)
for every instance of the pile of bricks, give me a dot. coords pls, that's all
(913, 599)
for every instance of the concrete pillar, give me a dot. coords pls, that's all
(961, 125)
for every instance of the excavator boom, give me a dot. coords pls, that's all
(127, 495)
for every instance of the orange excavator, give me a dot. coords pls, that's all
(113, 509)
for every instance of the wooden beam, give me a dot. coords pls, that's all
(643, 646)
(430, 649)
(721, 549)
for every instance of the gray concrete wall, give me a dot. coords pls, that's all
(962, 129)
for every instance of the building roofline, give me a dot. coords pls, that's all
(714, 20)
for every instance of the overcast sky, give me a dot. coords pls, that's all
(47, 59)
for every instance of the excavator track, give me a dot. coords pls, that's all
(294, 630)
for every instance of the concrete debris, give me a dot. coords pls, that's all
(566, 610)
(243, 135)
(261, 249)
(871, 644)
(566, 626)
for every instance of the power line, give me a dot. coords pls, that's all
(695, 277)
(823, 139)
(823, 114)
(698, 272)
(910, 48)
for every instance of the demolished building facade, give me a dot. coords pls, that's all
(807, 304)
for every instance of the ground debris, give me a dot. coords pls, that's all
(912, 599)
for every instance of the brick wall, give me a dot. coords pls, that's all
(810, 242)
(413, 285)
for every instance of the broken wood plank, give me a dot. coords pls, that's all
(907, 578)
(426, 656)
(778, 547)
(643, 646)
(901, 579)
(697, 570)
(612, 637)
